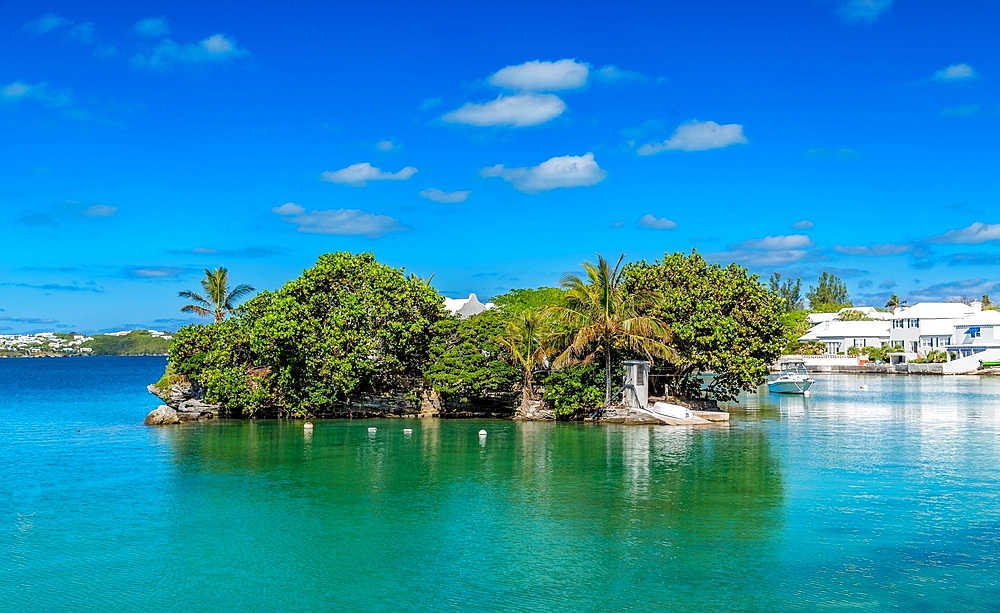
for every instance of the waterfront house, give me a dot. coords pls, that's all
(926, 327)
(839, 336)
(975, 334)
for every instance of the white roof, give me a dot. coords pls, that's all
(847, 329)
(936, 310)
(466, 307)
(939, 327)
(983, 318)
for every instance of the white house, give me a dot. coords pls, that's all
(839, 336)
(976, 334)
(927, 326)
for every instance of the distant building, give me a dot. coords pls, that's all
(959, 330)
(466, 307)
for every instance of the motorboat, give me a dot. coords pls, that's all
(792, 379)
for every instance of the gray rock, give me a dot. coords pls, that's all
(162, 415)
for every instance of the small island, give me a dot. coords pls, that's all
(352, 337)
(67, 344)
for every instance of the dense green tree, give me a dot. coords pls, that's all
(574, 388)
(794, 324)
(721, 317)
(348, 326)
(789, 291)
(219, 300)
(602, 317)
(517, 300)
(829, 294)
(467, 362)
(853, 315)
(893, 303)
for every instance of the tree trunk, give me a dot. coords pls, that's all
(607, 375)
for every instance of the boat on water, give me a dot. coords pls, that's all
(792, 379)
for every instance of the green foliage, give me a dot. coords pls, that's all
(934, 356)
(517, 300)
(829, 295)
(575, 388)
(348, 326)
(876, 354)
(136, 342)
(219, 300)
(854, 351)
(794, 324)
(789, 291)
(603, 316)
(722, 320)
(853, 315)
(467, 362)
(810, 348)
(893, 303)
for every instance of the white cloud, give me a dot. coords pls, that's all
(16, 90)
(873, 250)
(359, 175)
(698, 136)
(759, 258)
(152, 27)
(617, 224)
(564, 171)
(955, 72)
(437, 195)
(342, 222)
(973, 235)
(520, 110)
(100, 210)
(805, 224)
(289, 208)
(864, 11)
(215, 48)
(384, 145)
(46, 24)
(60, 100)
(778, 243)
(656, 223)
(538, 76)
(614, 74)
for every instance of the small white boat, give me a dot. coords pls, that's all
(793, 379)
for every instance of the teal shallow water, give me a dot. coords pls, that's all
(878, 499)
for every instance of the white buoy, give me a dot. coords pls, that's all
(372, 430)
(308, 425)
(482, 433)
(864, 387)
(407, 430)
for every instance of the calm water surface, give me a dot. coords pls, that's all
(879, 499)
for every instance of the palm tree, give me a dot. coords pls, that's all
(219, 300)
(604, 316)
(527, 337)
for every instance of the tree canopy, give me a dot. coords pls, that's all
(722, 320)
(789, 291)
(829, 294)
(347, 326)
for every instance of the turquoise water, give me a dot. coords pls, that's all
(875, 500)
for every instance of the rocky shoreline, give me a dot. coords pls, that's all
(183, 402)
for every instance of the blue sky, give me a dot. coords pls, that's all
(495, 145)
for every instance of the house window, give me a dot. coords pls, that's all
(925, 341)
(913, 323)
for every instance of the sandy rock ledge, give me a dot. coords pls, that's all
(161, 416)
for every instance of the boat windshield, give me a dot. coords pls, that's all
(793, 368)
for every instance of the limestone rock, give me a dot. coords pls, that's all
(162, 415)
(534, 410)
